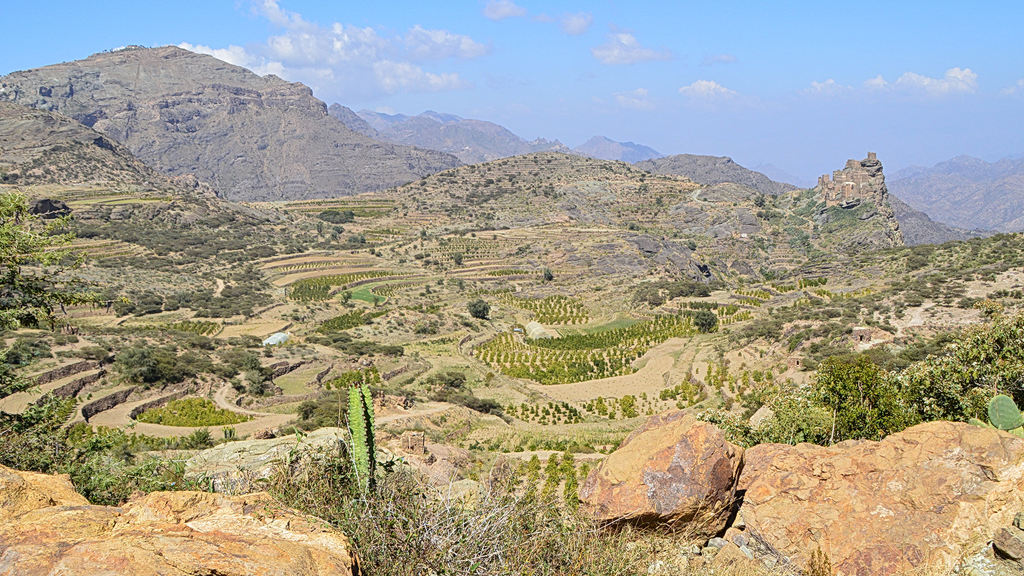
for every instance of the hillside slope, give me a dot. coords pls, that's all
(251, 137)
(472, 141)
(967, 192)
(607, 149)
(713, 170)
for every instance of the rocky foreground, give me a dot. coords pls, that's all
(48, 528)
(932, 498)
(937, 498)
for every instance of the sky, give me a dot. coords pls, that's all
(800, 85)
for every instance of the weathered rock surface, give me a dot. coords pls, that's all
(251, 137)
(673, 468)
(236, 467)
(922, 499)
(46, 528)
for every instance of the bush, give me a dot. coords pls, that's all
(337, 216)
(510, 531)
(191, 412)
(479, 309)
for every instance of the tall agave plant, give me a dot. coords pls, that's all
(361, 426)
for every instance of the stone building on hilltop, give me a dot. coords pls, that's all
(860, 180)
(860, 189)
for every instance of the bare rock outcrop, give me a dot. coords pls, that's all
(922, 499)
(672, 469)
(47, 528)
(237, 467)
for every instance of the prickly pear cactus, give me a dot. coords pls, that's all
(1003, 413)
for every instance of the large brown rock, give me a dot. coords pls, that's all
(919, 500)
(45, 528)
(672, 469)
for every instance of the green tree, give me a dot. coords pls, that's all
(36, 260)
(479, 309)
(457, 258)
(548, 274)
(865, 401)
(705, 321)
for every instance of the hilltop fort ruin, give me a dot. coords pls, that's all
(860, 180)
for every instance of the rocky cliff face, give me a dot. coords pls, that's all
(714, 170)
(252, 137)
(859, 190)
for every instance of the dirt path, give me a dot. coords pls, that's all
(426, 410)
(220, 398)
(16, 403)
(220, 288)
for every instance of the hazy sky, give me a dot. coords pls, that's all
(802, 85)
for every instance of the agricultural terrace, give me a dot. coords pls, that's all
(556, 309)
(319, 288)
(580, 357)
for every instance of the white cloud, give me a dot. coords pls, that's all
(1017, 88)
(441, 44)
(576, 24)
(636, 99)
(345, 61)
(828, 87)
(955, 81)
(623, 48)
(876, 83)
(232, 54)
(500, 9)
(706, 89)
(711, 60)
(402, 76)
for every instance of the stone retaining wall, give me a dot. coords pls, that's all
(106, 403)
(71, 389)
(159, 402)
(65, 371)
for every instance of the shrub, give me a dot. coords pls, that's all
(191, 412)
(479, 309)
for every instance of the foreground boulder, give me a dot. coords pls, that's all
(46, 528)
(921, 500)
(672, 469)
(238, 467)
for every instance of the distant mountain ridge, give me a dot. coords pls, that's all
(709, 170)
(250, 137)
(604, 149)
(471, 141)
(966, 192)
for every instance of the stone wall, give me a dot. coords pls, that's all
(106, 403)
(71, 389)
(65, 371)
(159, 402)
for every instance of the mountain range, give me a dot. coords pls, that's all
(250, 137)
(966, 192)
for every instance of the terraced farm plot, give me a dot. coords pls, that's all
(580, 357)
(550, 310)
(259, 329)
(319, 288)
(202, 328)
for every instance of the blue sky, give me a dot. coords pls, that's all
(801, 85)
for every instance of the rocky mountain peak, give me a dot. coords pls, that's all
(253, 137)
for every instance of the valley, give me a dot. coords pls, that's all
(220, 284)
